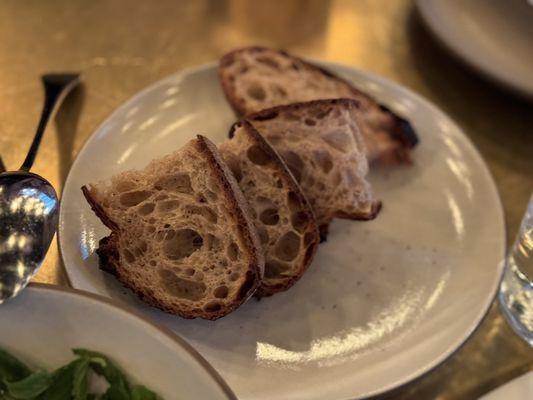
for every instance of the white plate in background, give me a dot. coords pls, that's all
(518, 389)
(44, 323)
(384, 301)
(495, 37)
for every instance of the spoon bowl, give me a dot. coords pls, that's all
(29, 211)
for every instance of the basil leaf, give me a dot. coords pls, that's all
(80, 381)
(119, 388)
(11, 369)
(140, 392)
(61, 387)
(29, 387)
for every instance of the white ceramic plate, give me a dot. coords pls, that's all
(44, 323)
(493, 36)
(383, 302)
(517, 389)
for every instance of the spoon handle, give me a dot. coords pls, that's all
(56, 87)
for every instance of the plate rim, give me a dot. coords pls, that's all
(140, 317)
(422, 371)
(422, 9)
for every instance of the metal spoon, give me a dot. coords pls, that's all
(29, 204)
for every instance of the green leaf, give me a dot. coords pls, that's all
(119, 388)
(140, 392)
(62, 384)
(29, 387)
(11, 369)
(80, 382)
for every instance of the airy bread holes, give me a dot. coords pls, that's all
(269, 216)
(142, 246)
(182, 288)
(257, 155)
(234, 165)
(275, 269)
(233, 251)
(212, 306)
(205, 212)
(168, 235)
(125, 186)
(146, 209)
(256, 92)
(167, 206)
(221, 292)
(234, 276)
(131, 199)
(287, 246)
(182, 244)
(176, 183)
(293, 201)
(339, 140)
(310, 122)
(323, 159)
(295, 164)
(212, 243)
(300, 220)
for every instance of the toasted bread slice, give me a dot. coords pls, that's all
(281, 213)
(320, 143)
(181, 235)
(255, 78)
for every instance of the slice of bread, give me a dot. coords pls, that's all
(320, 143)
(282, 215)
(181, 235)
(255, 78)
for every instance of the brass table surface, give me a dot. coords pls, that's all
(122, 46)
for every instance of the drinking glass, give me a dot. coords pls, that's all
(516, 290)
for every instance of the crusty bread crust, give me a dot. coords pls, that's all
(266, 288)
(400, 132)
(110, 258)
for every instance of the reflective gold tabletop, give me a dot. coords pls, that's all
(122, 46)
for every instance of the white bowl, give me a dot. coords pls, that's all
(44, 323)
